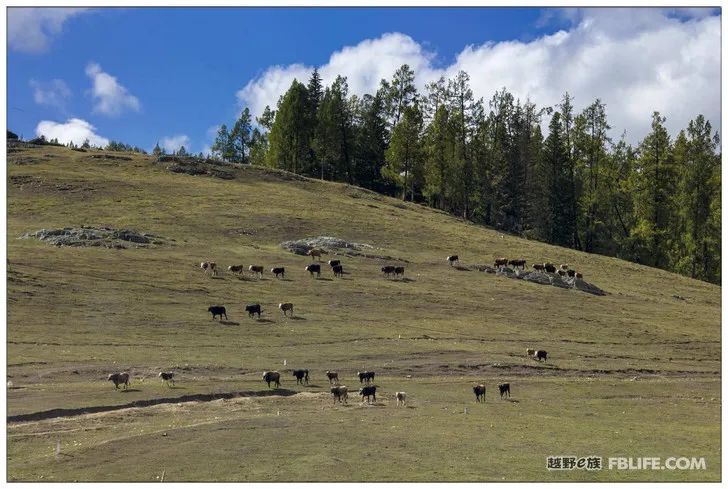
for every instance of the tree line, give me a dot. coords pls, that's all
(656, 203)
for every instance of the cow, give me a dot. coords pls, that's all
(571, 273)
(365, 376)
(301, 376)
(274, 377)
(119, 379)
(388, 270)
(579, 276)
(368, 391)
(562, 273)
(236, 268)
(315, 253)
(285, 306)
(540, 354)
(333, 263)
(256, 270)
(538, 267)
(505, 390)
(479, 391)
(530, 352)
(217, 311)
(332, 376)
(209, 266)
(253, 309)
(278, 271)
(564, 267)
(398, 271)
(314, 269)
(452, 259)
(340, 393)
(500, 262)
(401, 398)
(518, 263)
(549, 267)
(338, 271)
(167, 377)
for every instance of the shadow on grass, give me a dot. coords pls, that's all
(217, 278)
(298, 318)
(131, 390)
(462, 269)
(325, 279)
(229, 323)
(264, 320)
(512, 400)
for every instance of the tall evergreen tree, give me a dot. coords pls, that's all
(404, 158)
(290, 134)
(240, 138)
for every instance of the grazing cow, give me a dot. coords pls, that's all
(398, 271)
(274, 377)
(340, 393)
(561, 273)
(571, 273)
(365, 376)
(236, 268)
(540, 354)
(388, 270)
(253, 309)
(368, 391)
(564, 267)
(217, 311)
(332, 376)
(549, 267)
(278, 271)
(314, 269)
(452, 259)
(167, 377)
(579, 275)
(401, 398)
(120, 378)
(479, 391)
(333, 263)
(530, 352)
(505, 390)
(518, 263)
(301, 376)
(338, 271)
(500, 262)
(209, 266)
(256, 270)
(286, 306)
(315, 253)
(538, 267)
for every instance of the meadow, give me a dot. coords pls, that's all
(634, 373)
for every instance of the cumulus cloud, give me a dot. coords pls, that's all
(30, 30)
(173, 143)
(54, 93)
(73, 130)
(635, 60)
(110, 97)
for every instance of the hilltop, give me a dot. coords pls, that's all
(635, 371)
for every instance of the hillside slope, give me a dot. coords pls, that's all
(644, 359)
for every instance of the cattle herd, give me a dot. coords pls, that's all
(340, 393)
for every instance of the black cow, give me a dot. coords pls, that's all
(315, 268)
(301, 376)
(365, 376)
(541, 355)
(367, 391)
(217, 311)
(571, 273)
(274, 377)
(398, 271)
(338, 271)
(388, 270)
(452, 259)
(253, 309)
(167, 377)
(278, 271)
(333, 263)
(518, 263)
(479, 391)
(119, 379)
(549, 267)
(505, 390)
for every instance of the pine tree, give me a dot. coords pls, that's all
(371, 143)
(223, 145)
(404, 159)
(289, 139)
(157, 151)
(240, 138)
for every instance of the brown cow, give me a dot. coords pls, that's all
(236, 268)
(274, 377)
(518, 263)
(579, 275)
(119, 379)
(332, 376)
(286, 306)
(340, 393)
(209, 266)
(315, 253)
(538, 267)
(501, 262)
(256, 270)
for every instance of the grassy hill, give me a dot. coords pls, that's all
(634, 373)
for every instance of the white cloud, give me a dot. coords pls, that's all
(30, 29)
(173, 143)
(635, 60)
(75, 130)
(111, 98)
(53, 93)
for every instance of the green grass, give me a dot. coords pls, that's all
(634, 373)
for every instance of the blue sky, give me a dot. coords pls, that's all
(173, 74)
